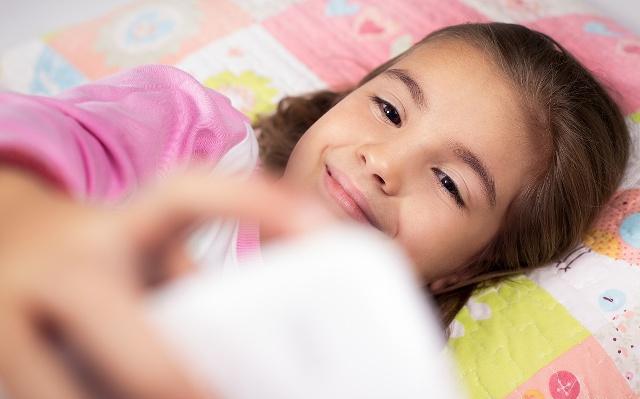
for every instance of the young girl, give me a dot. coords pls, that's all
(483, 150)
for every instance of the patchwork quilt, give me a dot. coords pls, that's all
(566, 331)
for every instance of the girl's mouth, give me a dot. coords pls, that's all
(346, 196)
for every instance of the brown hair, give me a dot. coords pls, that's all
(585, 130)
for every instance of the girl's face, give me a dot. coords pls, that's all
(431, 152)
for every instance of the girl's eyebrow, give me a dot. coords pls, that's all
(414, 88)
(474, 162)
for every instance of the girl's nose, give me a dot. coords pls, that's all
(383, 165)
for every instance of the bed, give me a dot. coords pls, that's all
(568, 330)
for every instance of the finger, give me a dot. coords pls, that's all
(29, 367)
(167, 261)
(191, 198)
(108, 328)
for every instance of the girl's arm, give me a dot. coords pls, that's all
(79, 272)
(69, 262)
(102, 140)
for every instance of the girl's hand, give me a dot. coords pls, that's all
(77, 274)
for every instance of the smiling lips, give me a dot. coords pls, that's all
(348, 197)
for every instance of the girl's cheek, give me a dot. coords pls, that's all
(433, 238)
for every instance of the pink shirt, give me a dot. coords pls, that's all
(103, 140)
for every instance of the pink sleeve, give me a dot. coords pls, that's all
(103, 139)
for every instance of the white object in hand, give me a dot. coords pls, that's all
(336, 314)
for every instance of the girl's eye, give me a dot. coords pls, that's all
(450, 186)
(389, 111)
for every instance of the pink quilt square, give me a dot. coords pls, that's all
(610, 51)
(158, 31)
(583, 372)
(341, 40)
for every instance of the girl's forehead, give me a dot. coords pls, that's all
(458, 77)
(449, 56)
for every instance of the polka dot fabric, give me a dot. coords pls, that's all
(617, 231)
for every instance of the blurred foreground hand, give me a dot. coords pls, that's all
(77, 274)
